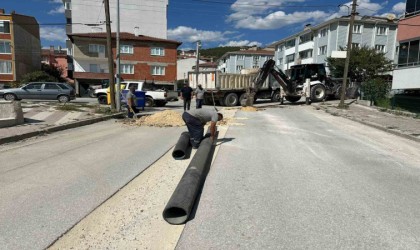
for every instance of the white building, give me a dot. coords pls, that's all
(183, 66)
(148, 16)
(315, 43)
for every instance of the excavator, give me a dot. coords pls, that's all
(292, 88)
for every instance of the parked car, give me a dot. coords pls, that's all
(41, 91)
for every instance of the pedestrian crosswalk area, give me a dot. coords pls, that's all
(53, 117)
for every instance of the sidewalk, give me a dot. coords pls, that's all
(399, 123)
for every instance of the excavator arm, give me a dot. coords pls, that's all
(267, 68)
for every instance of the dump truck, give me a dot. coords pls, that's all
(293, 87)
(230, 89)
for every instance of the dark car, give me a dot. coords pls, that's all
(41, 91)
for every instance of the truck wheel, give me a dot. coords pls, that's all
(149, 102)
(102, 99)
(292, 98)
(318, 93)
(242, 99)
(276, 96)
(231, 99)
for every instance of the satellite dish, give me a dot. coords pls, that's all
(391, 17)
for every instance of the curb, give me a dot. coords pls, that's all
(51, 129)
(374, 125)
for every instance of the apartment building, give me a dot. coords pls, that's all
(315, 43)
(56, 58)
(142, 58)
(20, 46)
(236, 61)
(407, 73)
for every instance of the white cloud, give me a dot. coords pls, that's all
(399, 8)
(278, 19)
(53, 33)
(57, 10)
(240, 43)
(188, 34)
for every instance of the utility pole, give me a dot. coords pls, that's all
(346, 64)
(196, 64)
(118, 90)
(110, 55)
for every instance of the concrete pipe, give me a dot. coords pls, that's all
(179, 206)
(181, 146)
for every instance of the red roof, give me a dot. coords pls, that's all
(123, 36)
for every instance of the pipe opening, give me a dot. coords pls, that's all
(178, 154)
(175, 215)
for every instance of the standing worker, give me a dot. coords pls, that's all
(195, 121)
(131, 102)
(199, 95)
(186, 94)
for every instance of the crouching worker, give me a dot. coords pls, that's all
(195, 121)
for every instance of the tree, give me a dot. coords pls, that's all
(365, 64)
(37, 76)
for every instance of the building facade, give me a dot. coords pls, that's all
(406, 75)
(56, 58)
(237, 61)
(20, 46)
(148, 17)
(315, 43)
(184, 66)
(142, 58)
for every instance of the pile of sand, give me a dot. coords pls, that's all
(249, 109)
(167, 118)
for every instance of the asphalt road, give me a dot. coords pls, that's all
(296, 178)
(50, 183)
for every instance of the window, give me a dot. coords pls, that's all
(95, 68)
(5, 67)
(4, 27)
(290, 58)
(63, 86)
(33, 86)
(323, 32)
(5, 47)
(51, 86)
(158, 70)
(381, 31)
(355, 45)
(290, 43)
(306, 38)
(280, 48)
(322, 50)
(357, 29)
(241, 57)
(68, 20)
(239, 68)
(67, 5)
(380, 48)
(126, 49)
(157, 51)
(305, 54)
(96, 48)
(127, 68)
(280, 61)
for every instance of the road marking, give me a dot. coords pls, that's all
(41, 116)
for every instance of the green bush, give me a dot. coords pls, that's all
(37, 76)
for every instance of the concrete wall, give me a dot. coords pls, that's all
(10, 114)
(184, 66)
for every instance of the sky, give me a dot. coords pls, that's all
(219, 22)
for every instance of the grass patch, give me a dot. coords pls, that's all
(103, 110)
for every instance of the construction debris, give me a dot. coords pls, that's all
(167, 118)
(249, 109)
